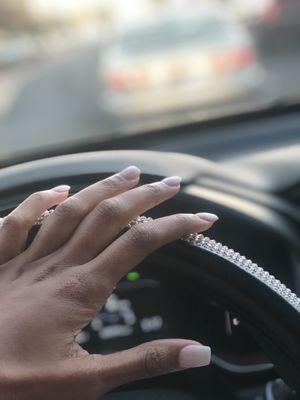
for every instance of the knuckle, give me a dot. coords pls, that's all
(142, 236)
(109, 208)
(182, 219)
(74, 287)
(15, 222)
(38, 197)
(81, 288)
(43, 274)
(153, 189)
(69, 208)
(154, 360)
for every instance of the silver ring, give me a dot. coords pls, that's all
(43, 217)
(138, 220)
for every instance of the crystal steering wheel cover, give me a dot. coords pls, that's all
(238, 260)
(204, 242)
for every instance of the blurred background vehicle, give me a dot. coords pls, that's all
(77, 71)
(180, 61)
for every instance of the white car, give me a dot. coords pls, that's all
(179, 61)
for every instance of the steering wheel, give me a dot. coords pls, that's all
(269, 310)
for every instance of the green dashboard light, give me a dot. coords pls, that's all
(133, 276)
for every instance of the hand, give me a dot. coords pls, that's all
(51, 290)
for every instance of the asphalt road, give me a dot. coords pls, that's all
(59, 100)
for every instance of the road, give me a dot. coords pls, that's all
(59, 100)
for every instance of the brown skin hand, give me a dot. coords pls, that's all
(51, 290)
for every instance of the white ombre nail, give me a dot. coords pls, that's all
(172, 181)
(61, 188)
(208, 217)
(194, 356)
(130, 173)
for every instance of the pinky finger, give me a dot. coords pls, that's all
(15, 226)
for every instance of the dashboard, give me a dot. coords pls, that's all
(139, 310)
(153, 303)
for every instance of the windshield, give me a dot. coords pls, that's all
(76, 71)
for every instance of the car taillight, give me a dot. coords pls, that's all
(273, 12)
(233, 59)
(116, 81)
(243, 57)
(127, 80)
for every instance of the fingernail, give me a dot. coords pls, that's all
(208, 216)
(194, 356)
(61, 188)
(130, 173)
(172, 181)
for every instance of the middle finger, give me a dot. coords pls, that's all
(109, 217)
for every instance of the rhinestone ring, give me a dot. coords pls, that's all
(43, 217)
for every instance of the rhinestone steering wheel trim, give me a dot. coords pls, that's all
(238, 260)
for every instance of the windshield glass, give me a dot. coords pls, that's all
(76, 71)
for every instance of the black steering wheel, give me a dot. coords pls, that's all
(269, 310)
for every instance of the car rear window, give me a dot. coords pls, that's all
(173, 34)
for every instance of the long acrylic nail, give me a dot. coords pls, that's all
(61, 188)
(130, 173)
(194, 356)
(172, 181)
(208, 217)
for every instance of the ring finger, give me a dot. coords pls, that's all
(110, 216)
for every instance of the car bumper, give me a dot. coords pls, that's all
(182, 96)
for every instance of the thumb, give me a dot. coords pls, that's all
(148, 360)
